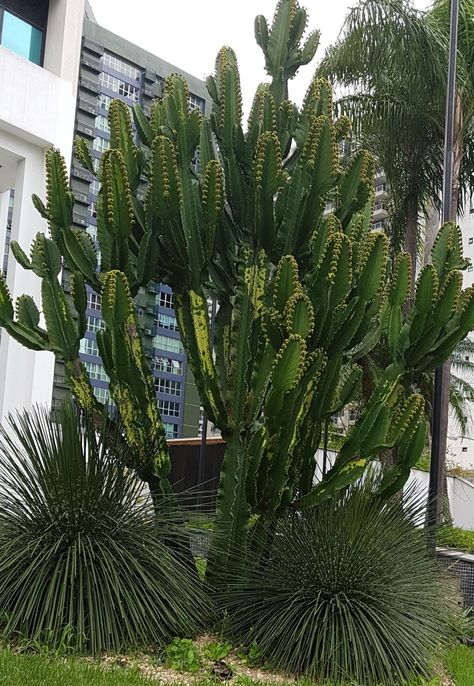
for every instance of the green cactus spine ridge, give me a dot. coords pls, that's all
(286, 282)
(400, 285)
(121, 138)
(164, 188)
(83, 154)
(60, 199)
(6, 304)
(318, 99)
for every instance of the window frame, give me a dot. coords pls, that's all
(35, 25)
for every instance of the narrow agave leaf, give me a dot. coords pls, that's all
(323, 600)
(80, 552)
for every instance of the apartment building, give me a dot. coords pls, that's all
(113, 68)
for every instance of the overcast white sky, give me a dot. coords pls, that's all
(189, 33)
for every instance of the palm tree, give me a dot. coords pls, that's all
(392, 64)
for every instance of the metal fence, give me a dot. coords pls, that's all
(461, 566)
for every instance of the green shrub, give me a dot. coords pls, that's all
(183, 655)
(453, 537)
(79, 547)
(217, 651)
(348, 592)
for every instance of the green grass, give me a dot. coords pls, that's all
(41, 670)
(460, 665)
(452, 537)
(38, 670)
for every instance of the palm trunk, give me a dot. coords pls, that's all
(411, 236)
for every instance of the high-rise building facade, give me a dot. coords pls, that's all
(39, 58)
(112, 68)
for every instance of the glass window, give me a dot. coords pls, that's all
(102, 123)
(88, 346)
(121, 66)
(195, 102)
(168, 365)
(93, 301)
(100, 144)
(166, 321)
(166, 300)
(171, 430)
(169, 408)
(118, 86)
(94, 324)
(96, 371)
(102, 394)
(168, 386)
(171, 345)
(22, 38)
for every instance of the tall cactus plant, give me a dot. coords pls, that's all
(303, 294)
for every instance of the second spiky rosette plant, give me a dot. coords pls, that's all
(303, 293)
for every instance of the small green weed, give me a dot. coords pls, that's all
(252, 656)
(183, 655)
(217, 651)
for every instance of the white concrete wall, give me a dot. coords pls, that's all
(460, 491)
(37, 110)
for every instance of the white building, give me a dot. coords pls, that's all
(40, 43)
(461, 450)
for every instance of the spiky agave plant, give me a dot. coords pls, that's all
(347, 593)
(302, 294)
(80, 552)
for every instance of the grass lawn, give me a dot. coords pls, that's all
(40, 670)
(460, 665)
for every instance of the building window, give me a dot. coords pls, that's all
(92, 231)
(94, 188)
(94, 324)
(96, 371)
(93, 301)
(168, 386)
(118, 86)
(464, 449)
(380, 187)
(88, 346)
(378, 225)
(166, 300)
(104, 101)
(171, 430)
(167, 365)
(171, 345)
(102, 123)
(169, 408)
(166, 321)
(102, 394)
(100, 145)
(121, 66)
(21, 37)
(195, 102)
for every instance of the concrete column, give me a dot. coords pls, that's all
(27, 375)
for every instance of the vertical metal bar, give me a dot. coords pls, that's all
(448, 169)
(202, 447)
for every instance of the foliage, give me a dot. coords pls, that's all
(454, 537)
(32, 670)
(183, 655)
(302, 294)
(396, 99)
(348, 591)
(460, 665)
(217, 651)
(79, 551)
